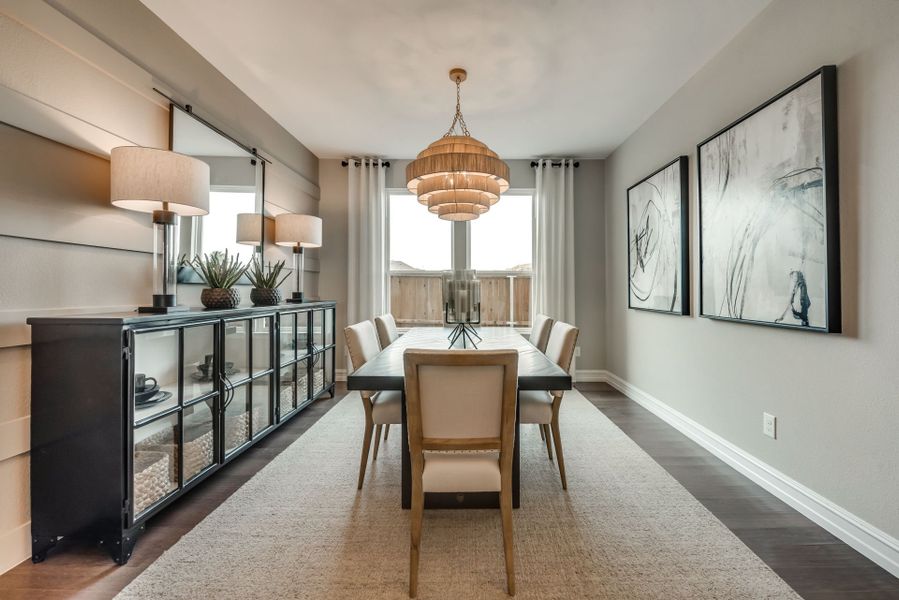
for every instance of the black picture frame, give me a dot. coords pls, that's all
(830, 183)
(681, 163)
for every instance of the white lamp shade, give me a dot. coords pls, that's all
(147, 179)
(249, 229)
(298, 230)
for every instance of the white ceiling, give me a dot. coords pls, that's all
(545, 77)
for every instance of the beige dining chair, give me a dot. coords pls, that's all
(540, 331)
(381, 408)
(460, 412)
(542, 408)
(387, 332)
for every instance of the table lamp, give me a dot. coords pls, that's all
(298, 232)
(249, 230)
(167, 185)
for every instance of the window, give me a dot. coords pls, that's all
(419, 241)
(499, 249)
(218, 228)
(501, 239)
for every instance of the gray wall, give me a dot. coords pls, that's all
(834, 395)
(589, 246)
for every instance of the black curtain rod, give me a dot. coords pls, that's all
(534, 164)
(190, 110)
(345, 163)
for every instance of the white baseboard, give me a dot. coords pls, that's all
(870, 541)
(590, 375)
(340, 375)
(15, 546)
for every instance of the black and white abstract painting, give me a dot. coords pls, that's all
(768, 212)
(657, 241)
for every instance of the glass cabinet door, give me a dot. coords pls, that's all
(237, 417)
(329, 326)
(302, 382)
(329, 377)
(199, 438)
(198, 366)
(155, 462)
(303, 333)
(262, 411)
(236, 359)
(154, 388)
(287, 344)
(262, 344)
(318, 338)
(318, 373)
(287, 386)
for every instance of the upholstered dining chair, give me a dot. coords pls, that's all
(540, 331)
(460, 412)
(387, 332)
(381, 408)
(542, 408)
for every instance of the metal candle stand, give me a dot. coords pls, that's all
(462, 306)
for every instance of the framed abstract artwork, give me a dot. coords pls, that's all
(658, 246)
(769, 231)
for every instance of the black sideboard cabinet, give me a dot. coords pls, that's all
(130, 411)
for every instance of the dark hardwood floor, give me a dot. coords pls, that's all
(80, 569)
(816, 564)
(813, 562)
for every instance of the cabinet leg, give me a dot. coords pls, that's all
(121, 546)
(39, 547)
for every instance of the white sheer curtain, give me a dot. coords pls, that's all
(368, 291)
(554, 241)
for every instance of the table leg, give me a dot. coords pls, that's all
(406, 483)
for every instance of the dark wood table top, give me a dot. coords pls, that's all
(385, 371)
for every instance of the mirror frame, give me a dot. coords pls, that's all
(187, 275)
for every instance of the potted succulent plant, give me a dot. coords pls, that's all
(266, 279)
(220, 272)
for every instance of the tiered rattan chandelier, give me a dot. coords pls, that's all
(458, 177)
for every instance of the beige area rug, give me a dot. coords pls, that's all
(300, 529)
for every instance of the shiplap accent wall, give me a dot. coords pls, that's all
(63, 247)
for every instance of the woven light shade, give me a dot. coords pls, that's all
(458, 212)
(457, 177)
(477, 199)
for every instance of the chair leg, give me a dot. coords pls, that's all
(366, 444)
(557, 440)
(386, 431)
(544, 429)
(417, 514)
(377, 442)
(542, 434)
(505, 505)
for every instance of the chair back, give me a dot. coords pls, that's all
(362, 343)
(540, 331)
(387, 332)
(561, 344)
(461, 400)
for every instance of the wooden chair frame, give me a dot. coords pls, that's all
(418, 444)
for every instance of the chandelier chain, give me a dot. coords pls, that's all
(458, 118)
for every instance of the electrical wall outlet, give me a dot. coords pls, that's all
(577, 351)
(769, 425)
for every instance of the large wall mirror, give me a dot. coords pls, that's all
(237, 176)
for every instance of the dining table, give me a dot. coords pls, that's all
(386, 371)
